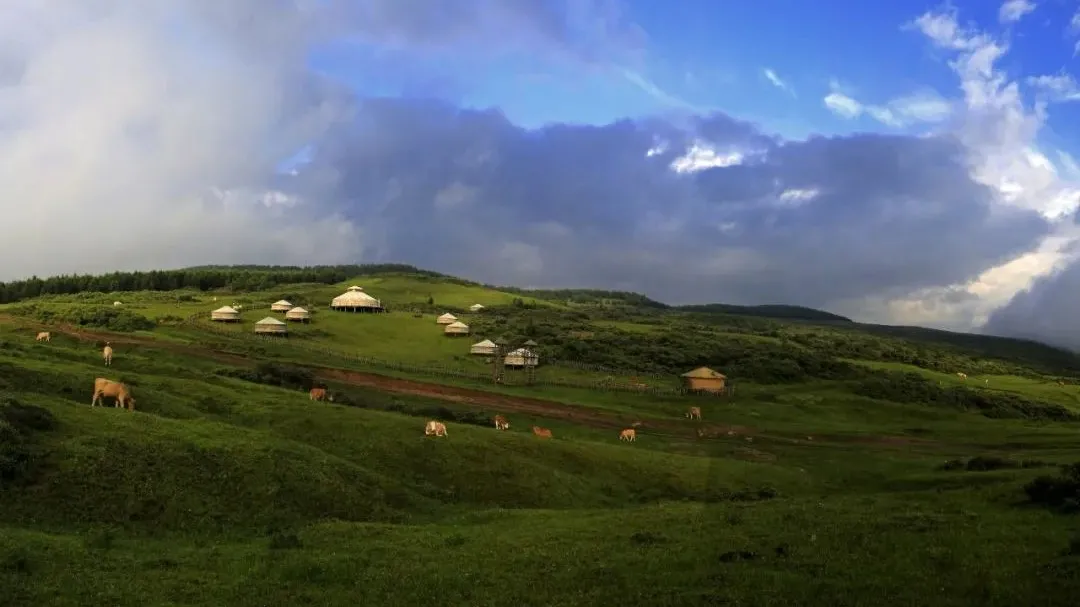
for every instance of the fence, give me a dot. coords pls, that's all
(508, 379)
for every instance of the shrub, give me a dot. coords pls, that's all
(1062, 491)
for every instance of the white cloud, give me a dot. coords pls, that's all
(771, 76)
(843, 105)
(1058, 87)
(924, 105)
(1012, 11)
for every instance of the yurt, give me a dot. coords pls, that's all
(225, 314)
(476, 308)
(446, 319)
(280, 306)
(704, 379)
(117, 304)
(355, 300)
(456, 328)
(298, 314)
(270, 326)
(520, 358)
(486, 348)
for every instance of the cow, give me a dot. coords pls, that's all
(628, 435)
(319, 394)
(436, 428)
(962, 375)
(694, 413)
(107, 354)
(44, 336)
(541, 432)
(112, 389)
(501, 423)
(1060, 382)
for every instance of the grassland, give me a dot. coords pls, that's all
(222, 489)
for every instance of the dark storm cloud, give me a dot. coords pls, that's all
(468, 192)
(1044, 312)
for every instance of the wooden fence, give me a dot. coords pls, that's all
(514, 378)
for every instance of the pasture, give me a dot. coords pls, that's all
(227, 485)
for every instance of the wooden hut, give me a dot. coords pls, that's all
(355, 300)
(271, 326)
(225, 314)
(705, 379)
(446, 319)
(298, 314)
(476, 308)
(456, 328)
(485, 348)
(521, 357)
(280, 306)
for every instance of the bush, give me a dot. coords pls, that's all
(273, 374)
(19, 449)
(111, 318)
(1062, 491)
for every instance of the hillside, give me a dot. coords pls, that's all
(848, 461)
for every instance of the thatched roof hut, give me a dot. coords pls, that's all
(446, 319)
(456, 328)
(521, 357)
(705, 379)
(280, 306)
(270, 326)
(355, 300)
(476, 307)
(486, 347)
(298, 314)
(225, 314)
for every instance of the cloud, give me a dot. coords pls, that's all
(1012, 11)
(775, 80)
(922, 106)
(809, 222)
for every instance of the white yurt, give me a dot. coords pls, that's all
(298, 314)
(225, 314)
(117, 304)
(280, 306)
(446, 319)
(456, 328)
(486, 347)
(270, 326)
(476, 307)
(355, 300)
(520, 358)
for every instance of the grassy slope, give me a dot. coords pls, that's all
(219, 491)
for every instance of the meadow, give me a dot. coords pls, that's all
(826, 479)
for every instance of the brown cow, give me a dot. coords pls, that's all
(541, 432)
(318, 394)
(501, 423)
(436, 428)
(44, 336)
(694, 413)
(628, 435)
(112, 389)
(107, 354)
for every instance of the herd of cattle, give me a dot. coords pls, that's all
(107, 388)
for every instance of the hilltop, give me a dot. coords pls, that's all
(853, 462)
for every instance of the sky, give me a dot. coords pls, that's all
(902, 163)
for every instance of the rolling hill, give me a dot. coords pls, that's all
(849, 464)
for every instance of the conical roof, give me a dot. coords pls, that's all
(457, 325)
(281, 302)
(227, 310)
(269, 320)
(704, 373)
(297, 311)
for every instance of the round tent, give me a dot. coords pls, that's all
(446, 319)
(456, 328)
(521, 357)
(476, 307)
(355, 300)
(280, 306)
(486, 348)
(225, 314)
(270, 326)
(298, 314)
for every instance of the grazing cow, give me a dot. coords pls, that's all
(112, 389)
(318, 394)
(962, 375)
(107, 353)
(436, 428)
(44, 336)
(694, 413)
(541, 432)
(1060, 382)
(628, 435)
(501, 423)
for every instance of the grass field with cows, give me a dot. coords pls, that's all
(850, 466)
